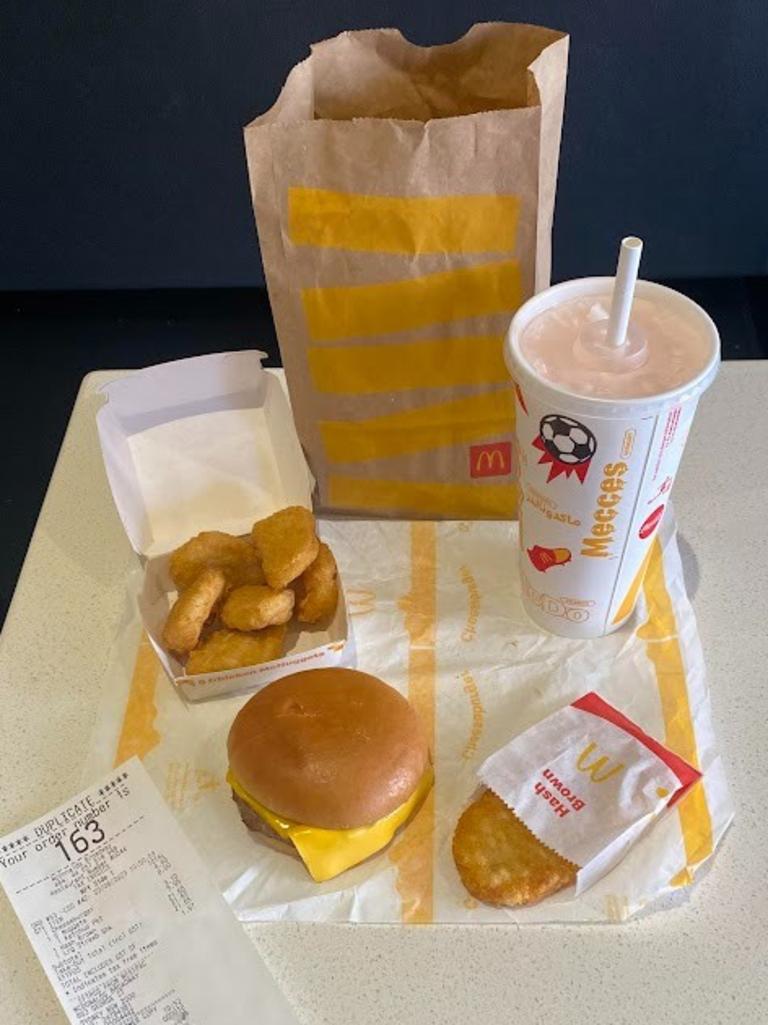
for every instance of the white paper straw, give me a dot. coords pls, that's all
(630, 251)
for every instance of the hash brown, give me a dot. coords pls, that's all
(499, 859)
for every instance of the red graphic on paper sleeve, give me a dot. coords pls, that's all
(651, 523)
(493, 460)
(543, 559)
(686, 774)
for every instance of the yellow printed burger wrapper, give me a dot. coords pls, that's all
(437, 612)
(587, 782)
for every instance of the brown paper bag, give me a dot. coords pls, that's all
(403, 198)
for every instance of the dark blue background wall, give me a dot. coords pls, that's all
(122, 166)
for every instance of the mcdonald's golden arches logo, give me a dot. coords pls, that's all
(597, 770)
(490, 460)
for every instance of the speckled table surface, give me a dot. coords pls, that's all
(702, 960)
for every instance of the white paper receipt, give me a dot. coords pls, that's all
(124, 918)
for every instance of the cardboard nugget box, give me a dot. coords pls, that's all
(208, 443)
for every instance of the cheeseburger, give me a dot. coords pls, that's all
(331, 762)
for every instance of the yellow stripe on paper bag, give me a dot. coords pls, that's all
(439, 363)
(352, 311)
(663, 648)
(413, 852)
(420, 429)
(402, 224)
(425, 499)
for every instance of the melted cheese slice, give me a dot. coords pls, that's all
(328, 852)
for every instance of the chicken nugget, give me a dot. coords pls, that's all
(236, 556)
(230, 649)
(317, 589)
(246, 572)
(191, 609)
(255, 606)
(287, 544)
(499, 859)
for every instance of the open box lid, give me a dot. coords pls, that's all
(206, 443)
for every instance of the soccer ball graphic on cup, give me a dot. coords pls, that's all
(567, 440)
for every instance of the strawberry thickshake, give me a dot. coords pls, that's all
(600, 432)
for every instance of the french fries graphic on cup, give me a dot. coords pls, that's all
(545, 558)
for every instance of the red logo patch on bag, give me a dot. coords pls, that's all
(492, 460)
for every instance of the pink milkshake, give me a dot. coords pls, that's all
(600, 432)
(567, 347)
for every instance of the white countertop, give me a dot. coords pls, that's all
(701, 961)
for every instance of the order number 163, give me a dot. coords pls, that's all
(78, 841)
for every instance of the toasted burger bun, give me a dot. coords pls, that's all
(332, 748)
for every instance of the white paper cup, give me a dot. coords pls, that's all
(586, 530)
